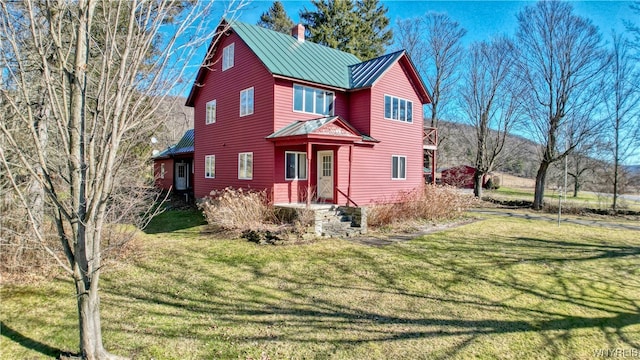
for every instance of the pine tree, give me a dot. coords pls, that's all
(276, 19)
(358, 27)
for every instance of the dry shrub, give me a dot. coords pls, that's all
(237, 209)
(431, 203)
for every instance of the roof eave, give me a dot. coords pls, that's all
(197, 84)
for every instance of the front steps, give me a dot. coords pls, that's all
(340, 221)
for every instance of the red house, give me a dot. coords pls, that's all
(173, 167)
(461, 176)
(307, 122)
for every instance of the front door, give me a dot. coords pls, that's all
(325, 175)
(181, 176)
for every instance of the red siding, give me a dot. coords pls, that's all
(232, 134)
(371, 172)
(165, 182)
(370, 166)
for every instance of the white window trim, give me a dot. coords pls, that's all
(206, 160)
(293, 104)
(297, 153)
(240, 155)
(162, 170)
(228, 54)
(405, 167)
(242, 106)
(384, 112)
(211, 119)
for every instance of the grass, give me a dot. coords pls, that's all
(503, 288)
(584, 199)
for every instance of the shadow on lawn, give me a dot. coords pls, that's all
(175, 221)
(298, 302)
(28, 343)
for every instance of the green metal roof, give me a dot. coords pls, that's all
(306, 127)
(184, 146)
(284, 55)
(366, 73)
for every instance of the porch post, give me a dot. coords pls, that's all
(309, 158)
(349, 183)
(433, 167)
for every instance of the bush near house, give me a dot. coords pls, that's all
(432, 203)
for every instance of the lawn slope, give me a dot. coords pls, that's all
(497, 288)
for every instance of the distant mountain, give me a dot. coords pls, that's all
(633, 170)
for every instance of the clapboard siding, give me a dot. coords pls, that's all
(165, 182)
(232, 134)
(372, 166)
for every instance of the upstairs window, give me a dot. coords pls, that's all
(211, 112)
(311, 100)
(245, 166)
(398, 109)
(398, 167)
(227, 57)
(246, 102)
(295, 165)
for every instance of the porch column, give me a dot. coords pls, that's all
(349, 183)
(309, 158)
(433, 167)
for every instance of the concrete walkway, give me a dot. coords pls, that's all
(563, 220)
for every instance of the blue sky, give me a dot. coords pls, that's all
(482, 19)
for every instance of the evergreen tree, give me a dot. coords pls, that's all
(276, 19)
(358, 27)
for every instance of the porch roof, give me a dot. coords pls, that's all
(182, 147)
(327, 128)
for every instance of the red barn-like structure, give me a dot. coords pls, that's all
(461, 176)
(304, 121)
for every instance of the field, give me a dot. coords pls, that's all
(498, 287)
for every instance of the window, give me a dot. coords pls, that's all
(227, 57)
(245, 166)
(246, 102)
(398, 109)
(210, 166)
(211, 112)
(295, 165)
(398, 167)
(162, 171)
(311, 100)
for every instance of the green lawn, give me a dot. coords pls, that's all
(584, 199)
(499, 288)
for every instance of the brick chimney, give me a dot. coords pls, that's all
(298, 32)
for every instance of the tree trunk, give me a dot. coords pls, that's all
(477, 184)
(538, 197)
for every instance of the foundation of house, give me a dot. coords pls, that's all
(331, 220)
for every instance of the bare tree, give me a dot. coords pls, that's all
(434, 45)
(560, 60)
(102, 68)
(622, 100)
(490, 99)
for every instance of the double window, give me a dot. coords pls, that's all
(398, 109)
(211, 112)
(295, 165)
(246, 102)
(398, 167)
(227, 56)
(312, 100)
(210, 166)
(245, 166)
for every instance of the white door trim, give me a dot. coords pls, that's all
(326, 176)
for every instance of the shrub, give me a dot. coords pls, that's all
(237, 209)
(432, 203)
